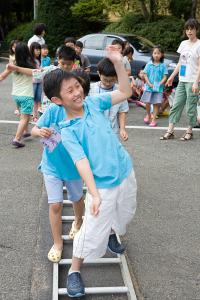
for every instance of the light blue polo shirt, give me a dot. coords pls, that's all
(155, 73)
(58, 162)
(92, 136)
(112, 113)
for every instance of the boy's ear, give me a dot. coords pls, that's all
(56, 100)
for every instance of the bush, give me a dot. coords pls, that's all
(22, 32)
(166, 31)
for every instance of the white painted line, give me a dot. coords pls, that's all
(128, 127)
(13, 122)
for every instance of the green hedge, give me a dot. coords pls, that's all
(166, 31)
(22, 32)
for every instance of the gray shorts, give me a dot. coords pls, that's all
(54, 187)
(152, 98)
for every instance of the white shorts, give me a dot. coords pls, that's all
(116, 211)
(54, 187)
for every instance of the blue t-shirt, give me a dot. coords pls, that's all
(92, 136)
(155, 73)
(45, 61)
(57, 162)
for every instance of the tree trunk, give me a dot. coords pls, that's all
(152, 10)
(144, 10)
(194, 8)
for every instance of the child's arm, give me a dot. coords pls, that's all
(25, 71)
(4, 74)
(147, 81)
(124, 90)
(85, 171)
(41, 132)
(122, 122)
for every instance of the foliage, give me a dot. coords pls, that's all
(181, 8)
(22, 32)
(166, 31)
(89, 10)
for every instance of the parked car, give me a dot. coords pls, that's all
(94, 46)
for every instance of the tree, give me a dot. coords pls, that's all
(194, 8)
(181, 8)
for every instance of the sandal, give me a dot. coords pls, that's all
(187, 136)
(73, 231)
(167, 136)
(54, 255)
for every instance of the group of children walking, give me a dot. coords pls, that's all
(78, 127)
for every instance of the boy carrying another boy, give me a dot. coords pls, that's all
(101, 160)
(117, 113)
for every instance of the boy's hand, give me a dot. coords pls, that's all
(113, 53)
(151, 85)
(94, 209)
(123, 134)
(45, 132)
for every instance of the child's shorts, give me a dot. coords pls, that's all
(37, 91)
(152, 97)
(54, 187)
(117, 208)
(25, 104)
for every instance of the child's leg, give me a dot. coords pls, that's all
(55, 212)
(155, 112)
(54, 188)
(23, 125)
(78, 212)
(147, 119)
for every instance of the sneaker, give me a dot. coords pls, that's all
(17, 144)
(26, 135)
(75, 285)
(114, 246)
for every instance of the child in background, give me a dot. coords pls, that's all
(101, 160)
(66, 58)
(22, 91)
(35, 50)
(71, 42)
(128, 52)
(155, 77)
(120, 46)
(117, 113)
(12, 47)
(45, 59)
(84, 59)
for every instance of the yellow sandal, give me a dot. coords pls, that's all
(73, 231)
(54, 255)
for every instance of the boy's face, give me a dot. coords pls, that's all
(107, 82)
(70, 44)
(71, 95)
(44, 51)
(78, 50)
(66, 65)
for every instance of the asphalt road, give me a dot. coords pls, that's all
(162, 240)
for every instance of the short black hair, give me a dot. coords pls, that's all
(84, 80)
(118, 42)
(191, 23)
(66, 53)
(44, 46)
(161, 51)
(79, 44)
(128, 50)
(53, 80)
(105, 67)
(70, 40)
(39, 28)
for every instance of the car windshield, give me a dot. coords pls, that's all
(142, 45)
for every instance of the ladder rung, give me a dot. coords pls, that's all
(66, 238)
(68, 218)
(67, 202)
(84, 188)
(93, 261)
(100, 290)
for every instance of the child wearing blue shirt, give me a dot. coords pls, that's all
(45, 59)
(101, 160)
(155, 76)
(117, 113)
